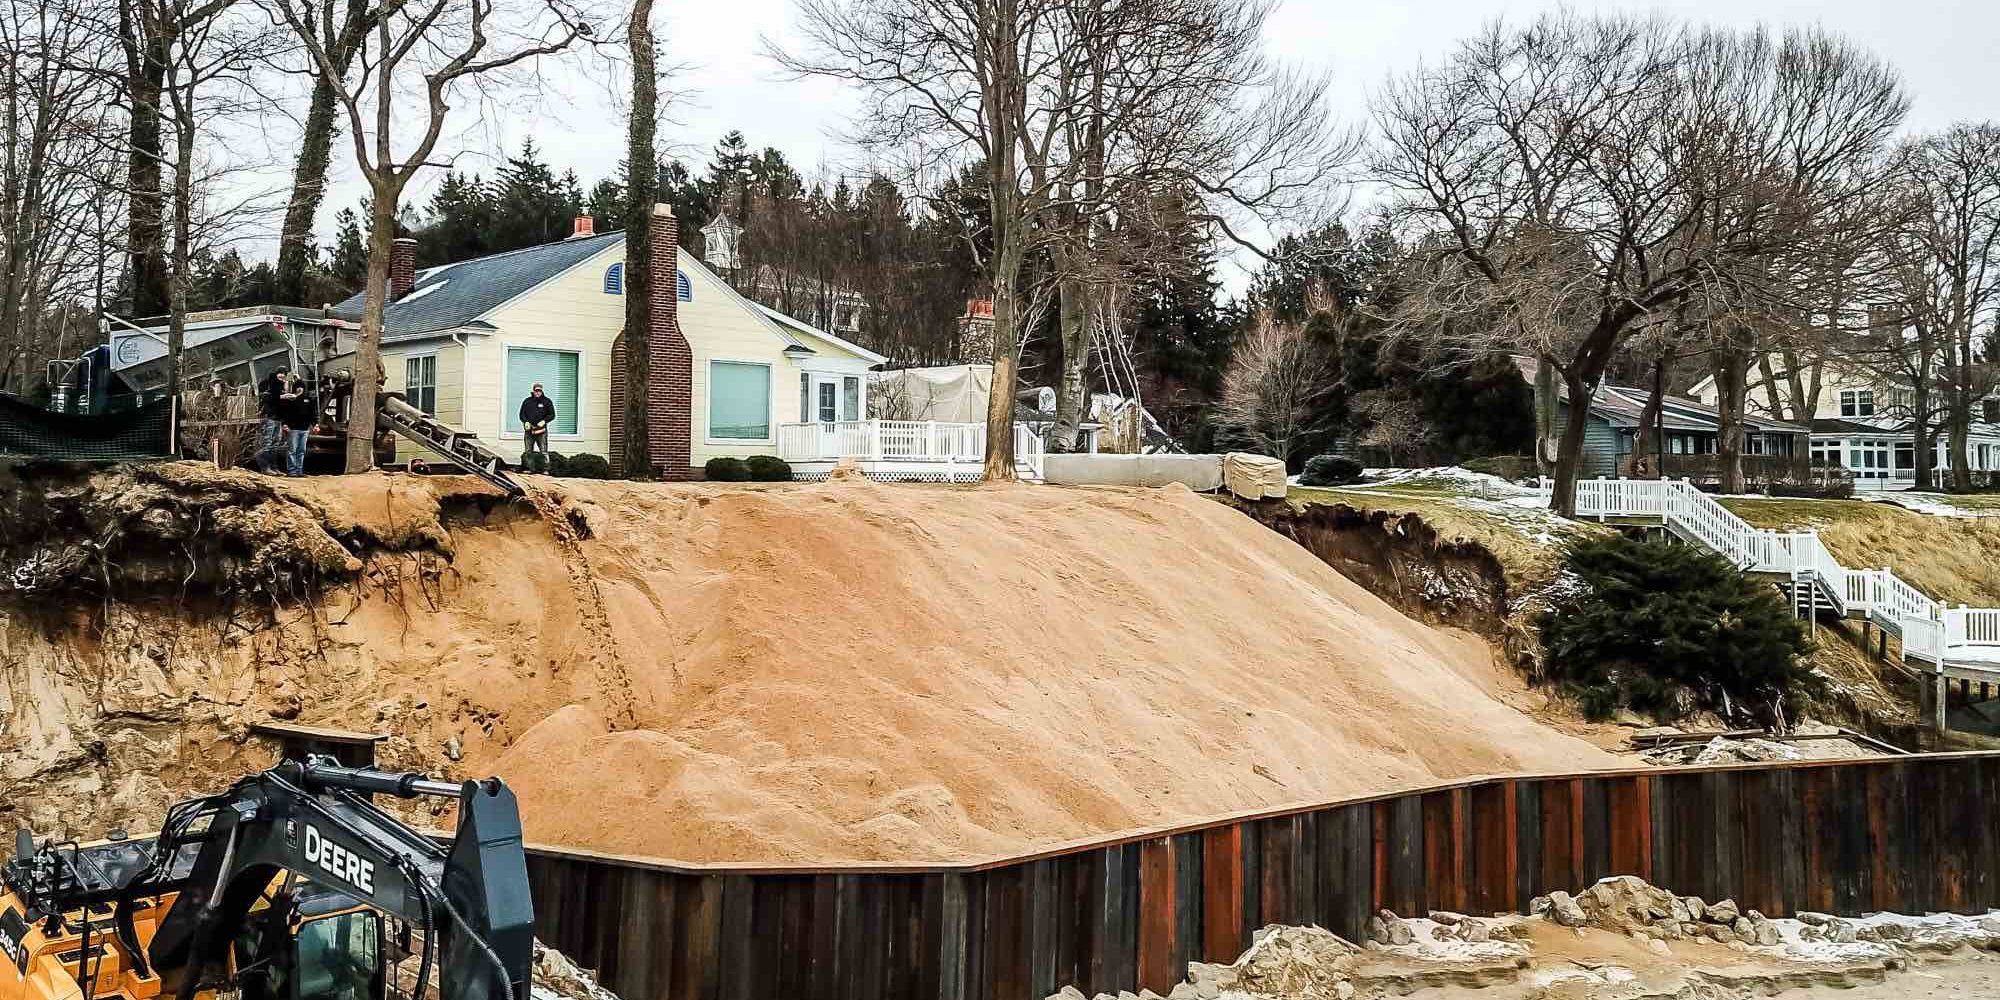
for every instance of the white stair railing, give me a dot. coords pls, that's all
(1928, 629)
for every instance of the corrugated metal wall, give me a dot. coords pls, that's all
(1911, 834)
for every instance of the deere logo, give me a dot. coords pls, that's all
(344, 865)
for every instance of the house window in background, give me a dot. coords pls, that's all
(614, 279)
(420, 383)
(829, 411)
(739, 401)
(558, 372)
(1989, 410)
(1906, 456)
(850, 396)
(1857, 402)
(805, 397)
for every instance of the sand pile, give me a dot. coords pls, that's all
(877, 671)
(797, 673)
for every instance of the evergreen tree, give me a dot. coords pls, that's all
(531, 206)
(349, 266)
(458, 222)
(1672, 629)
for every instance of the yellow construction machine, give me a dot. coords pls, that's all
(291, 885)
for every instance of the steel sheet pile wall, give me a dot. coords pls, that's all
(1910, 834)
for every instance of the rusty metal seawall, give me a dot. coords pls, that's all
(1912, 834)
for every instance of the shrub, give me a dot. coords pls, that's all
(1671, 629)
(768, 469)
(1330, 470)
(584, 466)
(726, 470)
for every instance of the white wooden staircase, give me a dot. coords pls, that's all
(1959, 642)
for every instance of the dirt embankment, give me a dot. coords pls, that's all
(1401, 557)
(711, 673)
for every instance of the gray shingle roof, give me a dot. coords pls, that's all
(461, 293)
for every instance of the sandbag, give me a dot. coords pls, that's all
(1253, 477)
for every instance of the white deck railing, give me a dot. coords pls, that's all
(927, 441)
(1929, 630)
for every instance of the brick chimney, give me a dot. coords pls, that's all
(669, 364)
(585, 226)
(975, 333)
(402, 267)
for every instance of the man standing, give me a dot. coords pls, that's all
(537, 412)
(301, 413)
(271, 407)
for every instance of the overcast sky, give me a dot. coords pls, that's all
(1945, 49)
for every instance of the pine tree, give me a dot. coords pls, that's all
(349, 265)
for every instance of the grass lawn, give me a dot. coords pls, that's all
(1954, 559)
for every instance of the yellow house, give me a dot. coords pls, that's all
(466, 341)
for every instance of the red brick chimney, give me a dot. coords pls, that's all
(585, 226)
(669, 364)
(402, 267)
(670, 408)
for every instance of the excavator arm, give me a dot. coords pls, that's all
(314, 819)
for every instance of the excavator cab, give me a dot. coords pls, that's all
(310, 942)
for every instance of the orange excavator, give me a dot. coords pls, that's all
(291, 885)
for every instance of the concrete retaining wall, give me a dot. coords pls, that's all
(1199, 472)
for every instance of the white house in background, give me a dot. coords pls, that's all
(465, 341)
(1862, 423)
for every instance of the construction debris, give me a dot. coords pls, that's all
(1620, 939)
(558, 978)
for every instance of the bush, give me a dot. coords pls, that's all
(1330, 470)
(768, 469)
(1672, 629)
(726, 470)
(583, 466)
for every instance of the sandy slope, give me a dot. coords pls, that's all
(898, 672)
(785, 673)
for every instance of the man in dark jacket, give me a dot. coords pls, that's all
(301, 413)
(538, 411)
(271, 407)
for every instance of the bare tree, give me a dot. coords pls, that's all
(960, 80)
(315, 157)
(1275, 385)
(55, 128)
(1571, 181)
(206, 87)
(1796, 195)
(1951, 271)
(437, 48)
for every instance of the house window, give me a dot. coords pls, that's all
(739, 401)
(614, 282)
(850, 396)
(420, 382)
(1989, 410)
(1857, 402)
(805, 397)
(1906, 456)
(829, 411)
(557, 371)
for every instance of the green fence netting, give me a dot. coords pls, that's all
(137, 434)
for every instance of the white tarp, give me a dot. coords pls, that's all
(953, 394)
(1198, 472)
(1253, 477)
